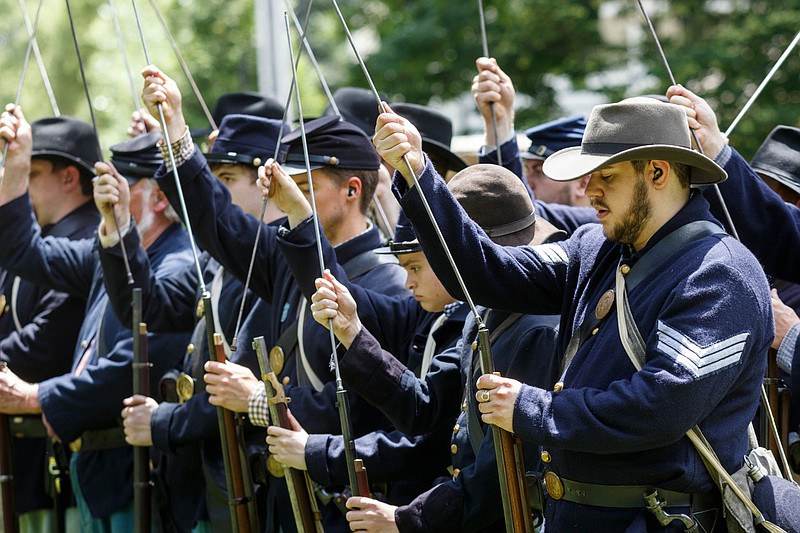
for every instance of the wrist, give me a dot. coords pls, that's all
(298, 215)
(176, 126)
(350, 332)
(31, 403)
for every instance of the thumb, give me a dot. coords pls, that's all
(293, 423)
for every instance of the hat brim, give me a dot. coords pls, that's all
(570, 164)
(532, 157)
(455, 163)
(294, 170)
(64, 155)
(544, 232)
(777, 176)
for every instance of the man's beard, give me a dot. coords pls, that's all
(147, 216)
(632, 223)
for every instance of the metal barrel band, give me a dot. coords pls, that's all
(624, 496)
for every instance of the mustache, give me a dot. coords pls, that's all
(598, 203)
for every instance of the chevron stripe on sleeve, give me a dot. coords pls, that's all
(700, 361)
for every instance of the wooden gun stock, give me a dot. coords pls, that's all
(142, 486)
(510, 463)
(237, 495)
(362, 478)
(6, 475)
(306, 512)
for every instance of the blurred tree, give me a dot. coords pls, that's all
(425, 52)
(723, 50)
(417, 51)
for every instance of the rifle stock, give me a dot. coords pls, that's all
(237, 478)
(508, 454)
(307, 517)
(141, 454)
(6, 475)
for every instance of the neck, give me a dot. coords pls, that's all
(154, 231)
(54, 213)
(347, 229)
(663, 212)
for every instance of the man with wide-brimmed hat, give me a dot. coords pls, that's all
(698, 300)
(497, 200)
(39, 326)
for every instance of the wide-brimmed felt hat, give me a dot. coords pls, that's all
(246, 140)
(550, 137)
(637, 128)
(436, 131)
(331, 143)
(779, 156)
(67, 138)
(243, 103)
(496, 199)
(138, 157)
(357, 106)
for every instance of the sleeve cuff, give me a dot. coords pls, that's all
(787, 349)
(257, 407)
(724, 155)
(181, 150)
(111, 238)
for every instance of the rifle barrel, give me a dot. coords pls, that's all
(141, 454)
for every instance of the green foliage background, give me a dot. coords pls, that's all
(417, 51)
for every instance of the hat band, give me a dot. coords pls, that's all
(592, 148)
(511, 227)
(319, 159)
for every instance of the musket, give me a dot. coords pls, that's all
(6, 474)
(508, 454)
(307, 517)
(342, 404)
(244, 517)
(142, 486)
(517, 514)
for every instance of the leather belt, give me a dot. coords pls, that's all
(621, 496)
(101, 439)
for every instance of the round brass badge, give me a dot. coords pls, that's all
(605, 305)
(554, 486)
(276, 359)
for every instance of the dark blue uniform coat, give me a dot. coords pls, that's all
(41, 349)
(92, 400)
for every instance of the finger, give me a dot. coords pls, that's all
(489, 381)
(213, 367)
(293, 423)
(356, 502)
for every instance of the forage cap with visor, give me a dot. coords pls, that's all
(332, 142)
(246, 140)
(637, 128)
(138, 157)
